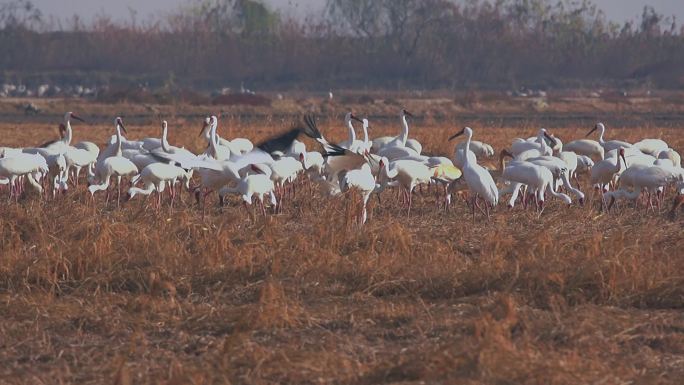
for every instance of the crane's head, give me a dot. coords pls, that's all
(205, 124)
(466, 130)
(165, 125)
(621, 153)
(384, 162)
(366, 125)
(406, 113)
(549, 138)
(119, 123)
(597, 126)
(350, 116)
(70, 115)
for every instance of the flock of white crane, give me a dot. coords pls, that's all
(540, 167)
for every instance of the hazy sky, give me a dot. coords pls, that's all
(617, 10)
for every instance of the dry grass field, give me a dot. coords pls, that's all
(100, 294)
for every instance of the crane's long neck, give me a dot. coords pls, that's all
(617, 163)
(352, 134)
(391, 172)
(601, 131)
(164, 140)
(213, 140)
(118, 141)
(69, 132)
(552, 191)
(207, 134)
(467, 150)
(365, 134)
(232, 172)
(542, 142)
(568, 186)
(404, 130)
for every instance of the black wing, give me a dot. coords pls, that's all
(311, 130)
(281, 142)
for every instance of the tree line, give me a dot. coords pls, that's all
(390, 44)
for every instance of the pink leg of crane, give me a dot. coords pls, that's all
(410, 201)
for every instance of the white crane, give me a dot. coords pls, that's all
(610, 144)
(602, 172)
(366, 144)
(215, 150)
(538, 178)
(479, 180)
(651, 146)
(339, 158)
(586, 147)
(156, 176)
(20, 165)
(480, 149)
(671, 155)
(235, 147)
(652, 179)
(250, 186)
(383, 141)
(559, 170)
(584, 164)
(115, 165)
(540, 148)
(408, 174)
(362, 180)
(282, 171)
(348, 117)
(571, 160)
(400, 140)
(60, 146)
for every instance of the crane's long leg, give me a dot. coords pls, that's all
(78, 172)
(263, 207)
(173, 194)
(410, 200)
(118, 190)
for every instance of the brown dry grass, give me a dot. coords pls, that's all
(132, 296)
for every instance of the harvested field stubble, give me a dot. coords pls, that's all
(106, 295)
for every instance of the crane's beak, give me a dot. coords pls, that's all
(551, 140)
(457, 134)
(204, 127)
(408, 114)
(357, 119)
(622, 155)
(77, 117)
(592, 130)
(123, 128)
